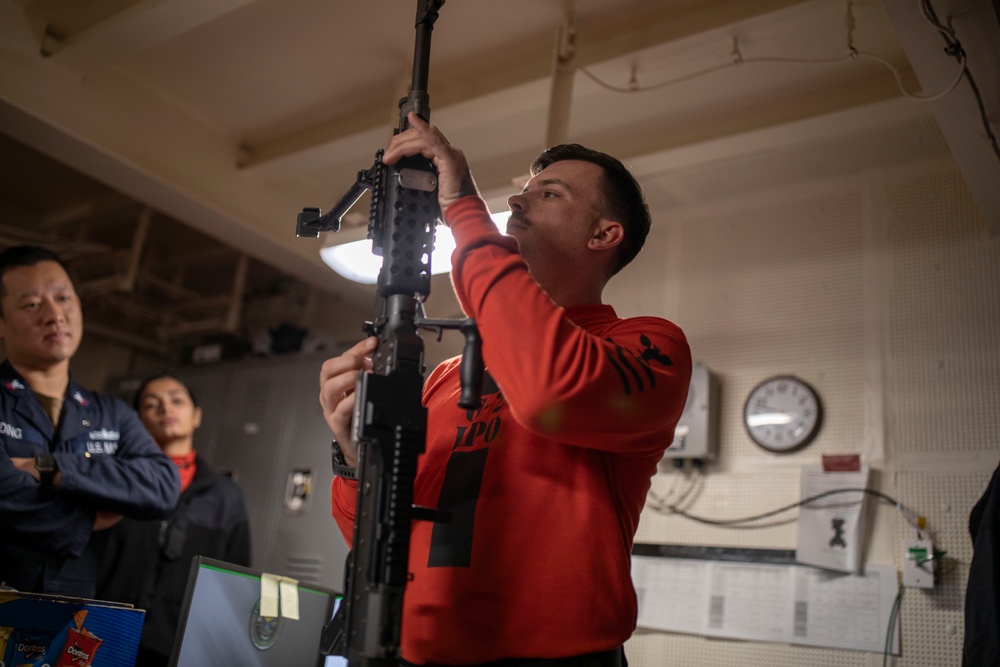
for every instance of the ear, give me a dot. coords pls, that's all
(607, 235)
(196, 417)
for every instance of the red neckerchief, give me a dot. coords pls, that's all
(186, 468)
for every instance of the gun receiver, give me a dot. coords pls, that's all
(390, 422)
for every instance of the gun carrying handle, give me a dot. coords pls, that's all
(471, 369)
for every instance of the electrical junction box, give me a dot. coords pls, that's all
(918, 564)
(697, 432)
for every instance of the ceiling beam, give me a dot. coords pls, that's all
(609, 38)
(857, 120)
(139, 236)
(976, 25)
(136, 341)
(124, 34)
(775, 112)
(636, 143)
(115, 134)
(75, 214)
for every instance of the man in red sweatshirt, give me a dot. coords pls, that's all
(546, 480)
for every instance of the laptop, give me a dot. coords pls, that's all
(220, 622)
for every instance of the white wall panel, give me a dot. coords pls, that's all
(944, 318)
(883, 291)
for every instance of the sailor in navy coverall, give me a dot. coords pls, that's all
(103, 463)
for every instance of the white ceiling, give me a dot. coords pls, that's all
(232, 115)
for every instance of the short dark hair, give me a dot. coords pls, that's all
(621, 194)
(24, 255)
(161, 375)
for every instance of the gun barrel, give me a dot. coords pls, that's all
(418, 101)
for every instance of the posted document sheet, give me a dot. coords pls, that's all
(793, 604)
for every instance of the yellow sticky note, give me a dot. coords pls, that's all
(289, 598)
(268, 595)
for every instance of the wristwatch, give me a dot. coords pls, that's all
(340, 467)
(46, 466)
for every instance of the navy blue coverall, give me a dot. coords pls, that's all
(108, 462)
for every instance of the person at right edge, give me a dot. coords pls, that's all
(981, 646)
(545, 482)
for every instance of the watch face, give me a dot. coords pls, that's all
(782, 414)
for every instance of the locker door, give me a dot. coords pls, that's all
(251, 442)
(307, 543)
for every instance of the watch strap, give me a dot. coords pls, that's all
(340, 467)
(46, 466)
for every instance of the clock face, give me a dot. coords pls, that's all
(782, 414)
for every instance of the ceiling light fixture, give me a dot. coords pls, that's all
(355, 260)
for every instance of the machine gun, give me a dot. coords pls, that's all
(390, 422)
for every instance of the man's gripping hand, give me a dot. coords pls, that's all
(337, 380)
(454, 177)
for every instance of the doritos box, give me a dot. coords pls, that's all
(57, 631)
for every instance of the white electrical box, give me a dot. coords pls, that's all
(696, 435)
(918, 564)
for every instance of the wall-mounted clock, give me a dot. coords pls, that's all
(782, 414)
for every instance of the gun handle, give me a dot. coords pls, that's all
(471, 370)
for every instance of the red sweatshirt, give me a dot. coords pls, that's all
(546, 481)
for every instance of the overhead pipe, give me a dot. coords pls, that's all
(561, 91)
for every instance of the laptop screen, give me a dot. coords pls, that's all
(220, 623)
